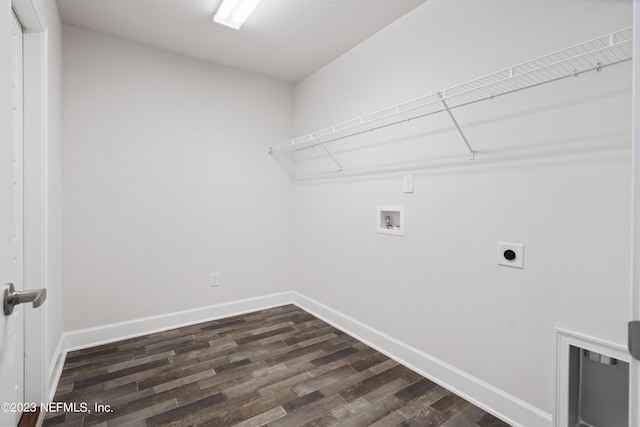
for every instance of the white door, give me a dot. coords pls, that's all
(11, 246)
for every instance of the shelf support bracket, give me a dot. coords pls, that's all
(329, 153)
(472, 154)
(275, 157)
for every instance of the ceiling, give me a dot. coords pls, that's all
(283, 39)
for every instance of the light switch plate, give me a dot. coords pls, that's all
(408, 183)
(510, 254)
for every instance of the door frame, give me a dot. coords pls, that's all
(36, 341)
(634, 368)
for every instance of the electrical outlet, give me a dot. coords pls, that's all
(510, 254)
(215, 280)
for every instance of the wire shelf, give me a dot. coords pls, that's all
(604, 51)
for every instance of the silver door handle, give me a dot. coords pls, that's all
(13, 298)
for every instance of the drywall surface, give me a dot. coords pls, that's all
(167, 179)
(552, 172)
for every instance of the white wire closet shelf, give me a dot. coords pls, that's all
(604, 51)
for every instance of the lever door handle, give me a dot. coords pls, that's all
(13, 298)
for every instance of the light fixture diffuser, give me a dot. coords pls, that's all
(233, 13)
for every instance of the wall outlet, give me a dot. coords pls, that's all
(510, 254)
(215, 280)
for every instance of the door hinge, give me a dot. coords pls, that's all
(634, 339)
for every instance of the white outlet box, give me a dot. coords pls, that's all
(390, 220)
(215, 280)
(510, 254)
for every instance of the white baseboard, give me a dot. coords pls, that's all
(503, 405)
(90, 337)
(493, 400)
(55, 368)
(54, 372)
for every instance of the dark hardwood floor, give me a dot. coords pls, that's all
(280, 367)
(29, 419)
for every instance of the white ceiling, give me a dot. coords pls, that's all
(283, 39)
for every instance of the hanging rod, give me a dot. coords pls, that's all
(596, 54)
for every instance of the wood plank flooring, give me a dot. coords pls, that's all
(280, 367)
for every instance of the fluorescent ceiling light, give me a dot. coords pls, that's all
(233, 13)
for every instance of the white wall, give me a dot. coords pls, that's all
(552, 172)
(167, 179)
